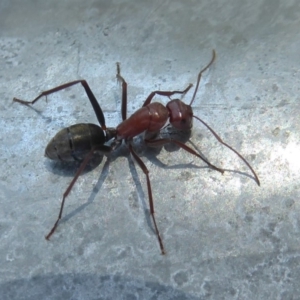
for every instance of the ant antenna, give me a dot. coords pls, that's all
(200, 74)
(229, 147)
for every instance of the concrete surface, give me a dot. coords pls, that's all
(225, 237)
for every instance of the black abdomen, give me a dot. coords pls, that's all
(75, 142)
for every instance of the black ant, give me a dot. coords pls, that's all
(79, 142)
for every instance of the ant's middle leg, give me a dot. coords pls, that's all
(151, 203)
(161, 142)
(92, 98)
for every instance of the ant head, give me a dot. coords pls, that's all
(181, 114)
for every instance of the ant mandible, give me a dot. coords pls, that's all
(79, 142)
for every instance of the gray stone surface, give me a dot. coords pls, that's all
(225, 237)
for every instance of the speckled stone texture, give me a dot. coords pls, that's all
(225, 237)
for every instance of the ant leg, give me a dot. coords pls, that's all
(169, 94)
(124, 93)
(92, 98)
(149, 98)
(161, 142)
(104, 149)
(151, 204)
(165, 93)
(229, 147)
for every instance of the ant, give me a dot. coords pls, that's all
(79, 142)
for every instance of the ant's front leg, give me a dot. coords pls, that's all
(149, 98)
(150, 196)
(92, 98)
(166, 94)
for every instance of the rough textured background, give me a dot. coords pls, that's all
(225, 237)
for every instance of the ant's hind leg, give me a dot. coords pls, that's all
(103, 149)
